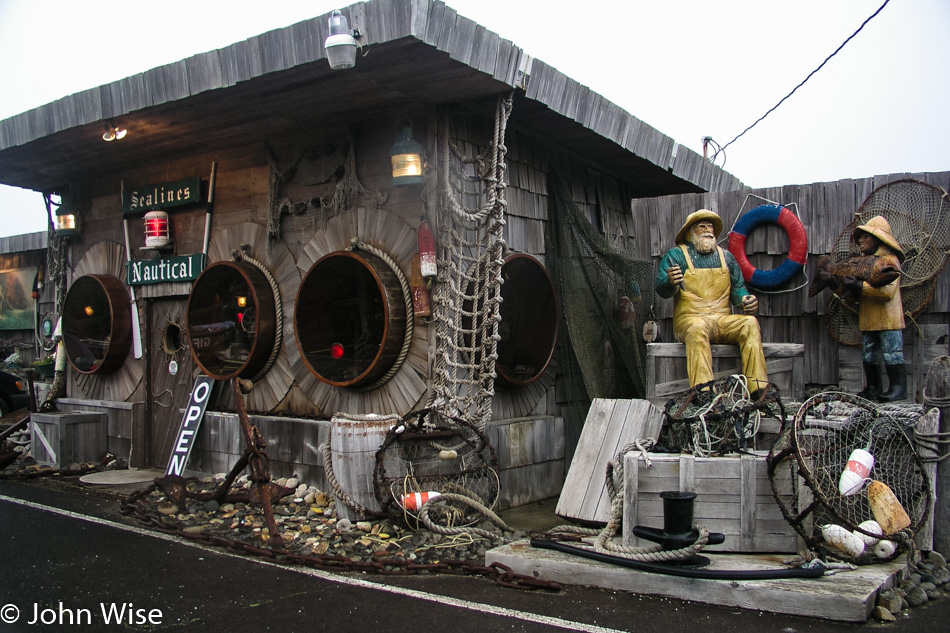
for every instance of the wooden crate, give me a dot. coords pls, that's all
(666, 368)
(734, 497)
(61, 439)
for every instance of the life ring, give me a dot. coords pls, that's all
(797, 245)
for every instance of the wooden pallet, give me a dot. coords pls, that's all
(847, 596)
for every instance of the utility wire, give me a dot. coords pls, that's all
(837, 50)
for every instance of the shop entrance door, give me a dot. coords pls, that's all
(170, 374)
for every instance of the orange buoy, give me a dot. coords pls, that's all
(886, 508)
(415, 500)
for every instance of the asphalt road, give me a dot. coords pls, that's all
(69, 560)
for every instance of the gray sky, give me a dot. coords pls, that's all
(690, 68)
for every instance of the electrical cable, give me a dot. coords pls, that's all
(773, 108)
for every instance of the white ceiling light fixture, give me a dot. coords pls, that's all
(341, 45)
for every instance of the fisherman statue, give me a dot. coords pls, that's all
(705, 282)
(880, 309)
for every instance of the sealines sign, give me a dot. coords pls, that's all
(167, 269)
(162, 196)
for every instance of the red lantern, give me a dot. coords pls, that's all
(157, 233)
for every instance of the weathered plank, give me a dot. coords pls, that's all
(610, 425)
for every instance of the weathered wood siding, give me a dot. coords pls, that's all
(826, 209)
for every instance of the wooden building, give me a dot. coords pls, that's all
(292, 163)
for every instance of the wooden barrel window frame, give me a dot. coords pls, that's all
(239, 295)
(529, 321)
(350, 319)
(97, 324)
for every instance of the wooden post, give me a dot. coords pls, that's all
(937, 394)
(927, 426)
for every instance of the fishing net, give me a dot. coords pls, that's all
(428, 454)
(603, 306)
(819, 442)
(919, 215)
(717, 417)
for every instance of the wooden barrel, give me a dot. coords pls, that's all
(353, 446)
(232, 319)
(97, 324)
(350, 318)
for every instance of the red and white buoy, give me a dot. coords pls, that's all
(426, 246)
(415, 500)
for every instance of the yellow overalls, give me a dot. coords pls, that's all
(702, 315)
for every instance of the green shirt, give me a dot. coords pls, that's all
(675, 256)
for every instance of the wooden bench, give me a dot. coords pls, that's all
(666, 368)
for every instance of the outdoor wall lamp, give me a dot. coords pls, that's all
(341, 45)
(66, 221)
(157, 230)
(406, 156)
(113, 131)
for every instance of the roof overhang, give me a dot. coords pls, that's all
(279, 85)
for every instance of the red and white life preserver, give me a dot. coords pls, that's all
(797, 245)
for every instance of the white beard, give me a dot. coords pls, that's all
(704, 244)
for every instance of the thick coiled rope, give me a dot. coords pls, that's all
(242, 254)
(356, 244)
(448, 530)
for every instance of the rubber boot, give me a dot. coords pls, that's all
(872, 376)
(897, 383)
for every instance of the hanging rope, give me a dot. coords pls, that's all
(239, 254)
(468, 288)
(407, 296)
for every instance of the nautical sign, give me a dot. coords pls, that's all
(162, 196)
(185, 440)
(167, 269)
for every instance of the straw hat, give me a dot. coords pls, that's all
(881, 229)
(696, 216)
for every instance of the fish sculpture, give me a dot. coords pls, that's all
(877, 271)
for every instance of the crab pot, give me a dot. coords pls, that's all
(231, 320)
(97, 324)
(350, 320)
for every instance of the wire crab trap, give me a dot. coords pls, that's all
(428, 461)
(865, 491)
(718, 417)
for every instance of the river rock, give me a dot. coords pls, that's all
(890, 600)
(883, 615)
(916, 597)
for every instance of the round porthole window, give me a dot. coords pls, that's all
(528, 327)
(97, 324)
(172, 338)
(350, 318)
(231, 320)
